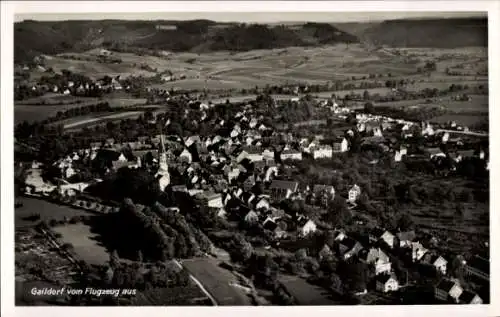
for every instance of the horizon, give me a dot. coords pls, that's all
(248, 17)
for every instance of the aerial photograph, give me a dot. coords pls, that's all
(212, 159)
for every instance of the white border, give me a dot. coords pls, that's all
(7, 233)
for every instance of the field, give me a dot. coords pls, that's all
(224, 70)
(305, 293)
(84, 242)
(467, 120)
(217, 281)
(31, 110)
(47, 211)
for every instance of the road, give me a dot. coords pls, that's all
(463, 132)
(197, 282)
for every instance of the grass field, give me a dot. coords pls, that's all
(84, 242)
(27, 111)
(216, 280)
(305, 293)
(46, 210)
(466, 120)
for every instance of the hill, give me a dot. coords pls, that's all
(33, 38)
(435, 33)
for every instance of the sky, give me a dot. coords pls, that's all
(247, 17)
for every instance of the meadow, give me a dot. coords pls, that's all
(85, 243)
(45, 209)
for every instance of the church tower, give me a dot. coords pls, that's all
(162, 174)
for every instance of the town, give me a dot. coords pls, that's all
(289, 194)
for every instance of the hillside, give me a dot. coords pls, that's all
(436, 33)
(32, 38)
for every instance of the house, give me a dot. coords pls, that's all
(447, 289)
(377, 258)
(340, 145)
(405, 238)
(186, 156)
(325, 253)
(291, 155)
(386, 283)
(439, 263)
(349, 247)
(320, 190)
(478, 267)
(249, 183)
(282, 189)
(354, 193)
(378, 234)
(252, 153)
(212, 200)
(325, 151)
(434, 153)
(262, 204)
(268, 154)
(417, 251)
(251, 217)
(306, 227)
(468, 297)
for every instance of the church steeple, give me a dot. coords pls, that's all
(162, 174)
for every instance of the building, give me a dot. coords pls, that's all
(340, 145)
(282, 189)
(251, 217)
(405, 238)
(291, 155)
(349, 247)
(447, 290)
(162, 175)
(386, 283)
(468, 297)
(306, 227)
(439, 263)
(417, 251)
(327, 190)
(211, 199)
(478, 267)
(325, 151)
(434, 153)
(354, 193)
(186, 156)
(262, 203)
(378, 234)
(377, 258)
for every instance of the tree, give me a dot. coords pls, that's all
(369, 108)
(405, 222)
(366, 95)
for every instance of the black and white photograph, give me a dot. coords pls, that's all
(250, 159)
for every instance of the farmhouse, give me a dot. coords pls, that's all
(387, 283)
(378, 234)
(211, 199)
(377, 258)
(439, 263)
(325, 151)
(320, 190)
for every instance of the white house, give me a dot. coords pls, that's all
(69, 171)
(445, 137)
(186, 156)
(291, 155)
(323, 152)
(387, 283)
(440, 264)
(354, 193)
(307, 228)
(251, 217)
(268, 154)
(263, 203)
(340, 145)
